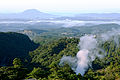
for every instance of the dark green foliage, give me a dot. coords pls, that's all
(47, 54)
(45, 61)
(107, 68)
(12, 73)
(14, 45)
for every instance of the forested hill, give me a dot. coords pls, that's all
(14, 45)
(44, 64)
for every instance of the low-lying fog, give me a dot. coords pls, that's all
(21, 25)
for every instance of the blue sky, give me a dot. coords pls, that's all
(61, 6)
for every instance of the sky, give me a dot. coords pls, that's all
(61, 6)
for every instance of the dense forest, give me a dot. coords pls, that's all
(14, 45)
(41, 61)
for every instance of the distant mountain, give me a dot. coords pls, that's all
(33, 14)
(94, 17)
(30, 14)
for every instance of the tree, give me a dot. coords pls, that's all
(37, 73)
(17, 63)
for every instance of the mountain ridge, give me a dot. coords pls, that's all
(27, 14)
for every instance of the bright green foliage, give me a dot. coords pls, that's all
(107, 68)
(53, 52)
(17, 63)
(37, 73)
(44, 64)
(49, 55)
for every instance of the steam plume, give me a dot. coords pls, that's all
(89, 50)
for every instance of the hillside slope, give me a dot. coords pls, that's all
(14, 45)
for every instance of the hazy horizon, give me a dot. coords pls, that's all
(60, 13)
(61, 7)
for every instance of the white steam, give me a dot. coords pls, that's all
(87, 53)
(114, 34)
(89, 50)
(71, 61)
(82, 62)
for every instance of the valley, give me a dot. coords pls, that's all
(42, 46)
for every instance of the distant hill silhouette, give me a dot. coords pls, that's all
(28, 14)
